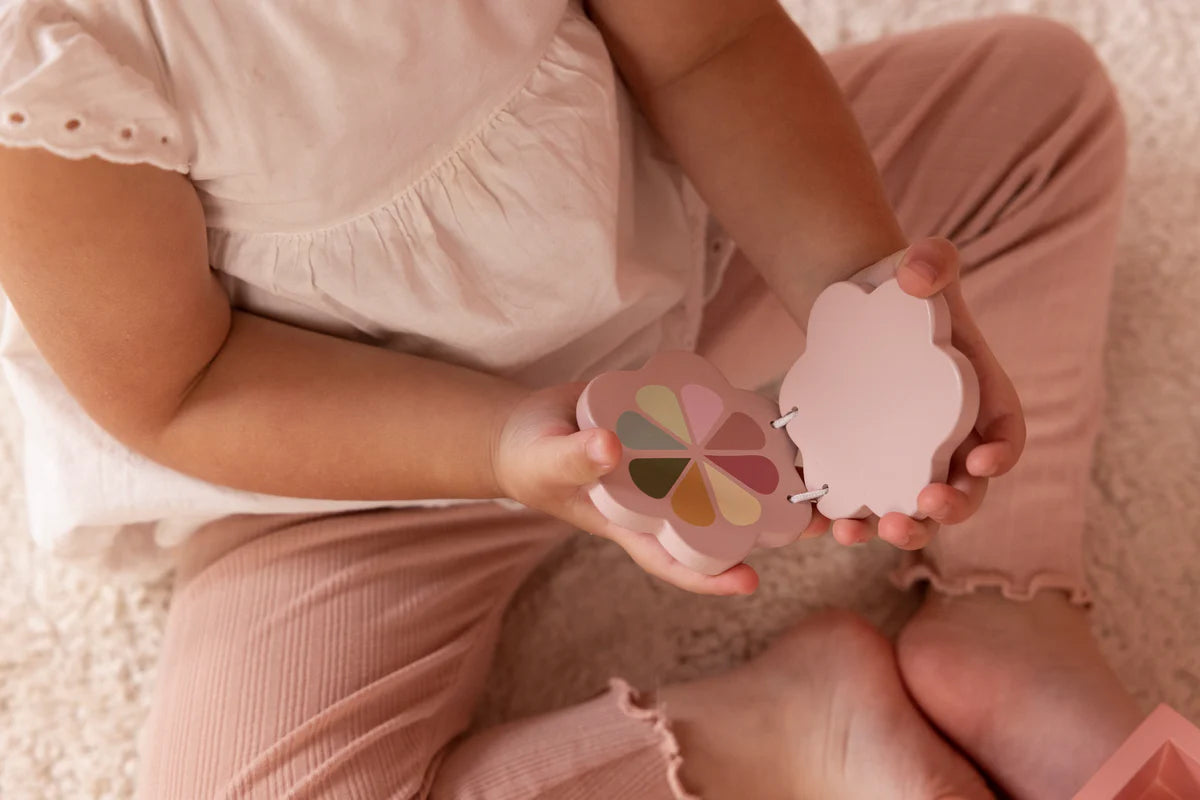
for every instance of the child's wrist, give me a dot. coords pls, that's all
(500, 410)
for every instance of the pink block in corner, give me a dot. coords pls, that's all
(1159, 761)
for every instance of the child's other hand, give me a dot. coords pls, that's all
(542, 460)
(992, 448)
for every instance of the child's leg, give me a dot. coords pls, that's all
(340, 657)
(822, 713)
(332, 656)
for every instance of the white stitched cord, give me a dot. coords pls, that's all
(786, 418)
(804, 497)
(801, 497)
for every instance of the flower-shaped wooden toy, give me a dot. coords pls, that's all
(701, 467)
(881, 398)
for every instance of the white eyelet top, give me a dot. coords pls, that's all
(466, 181)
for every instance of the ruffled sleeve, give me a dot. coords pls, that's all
(62, 90)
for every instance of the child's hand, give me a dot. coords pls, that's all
(542, 460)
(992, 449)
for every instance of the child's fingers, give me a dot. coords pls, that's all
(853, 531)
(883, 270)
(905, 532)
(1001, 420)
(602, 448)
(959, 497)
(648, 554)
(894, 528)
(579, 459)
(923, 269)
(942, 502)
(950, 505)
(928, 266)
(818, 525)
(1004, 441)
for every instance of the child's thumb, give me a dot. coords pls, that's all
(928, 266)
(582, 458)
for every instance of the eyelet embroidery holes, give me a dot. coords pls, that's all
(72, 125)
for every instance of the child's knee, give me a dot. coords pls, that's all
(1054, 70)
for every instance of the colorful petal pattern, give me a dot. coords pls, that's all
(724, 481)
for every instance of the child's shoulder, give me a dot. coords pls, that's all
(244, 89)
(83, 79)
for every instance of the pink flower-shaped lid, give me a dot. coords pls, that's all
(701, 466)
(882, 399)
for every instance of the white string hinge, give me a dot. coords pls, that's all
(805, 497)
(786, 418)
(801, 497)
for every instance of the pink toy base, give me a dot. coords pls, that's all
(1159, 761)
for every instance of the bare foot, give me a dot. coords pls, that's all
(1020, 687)
(822, 714)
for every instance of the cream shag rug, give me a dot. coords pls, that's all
(77, 651)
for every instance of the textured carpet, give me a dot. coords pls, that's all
(77, 652)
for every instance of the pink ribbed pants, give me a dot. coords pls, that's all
(341, 657)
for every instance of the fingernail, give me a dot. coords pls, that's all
(595, 451)
(924, 270)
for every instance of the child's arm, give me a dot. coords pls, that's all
(760, 126)
(107, 266)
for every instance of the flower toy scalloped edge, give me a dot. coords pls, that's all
(879, 399)
(701, 465)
